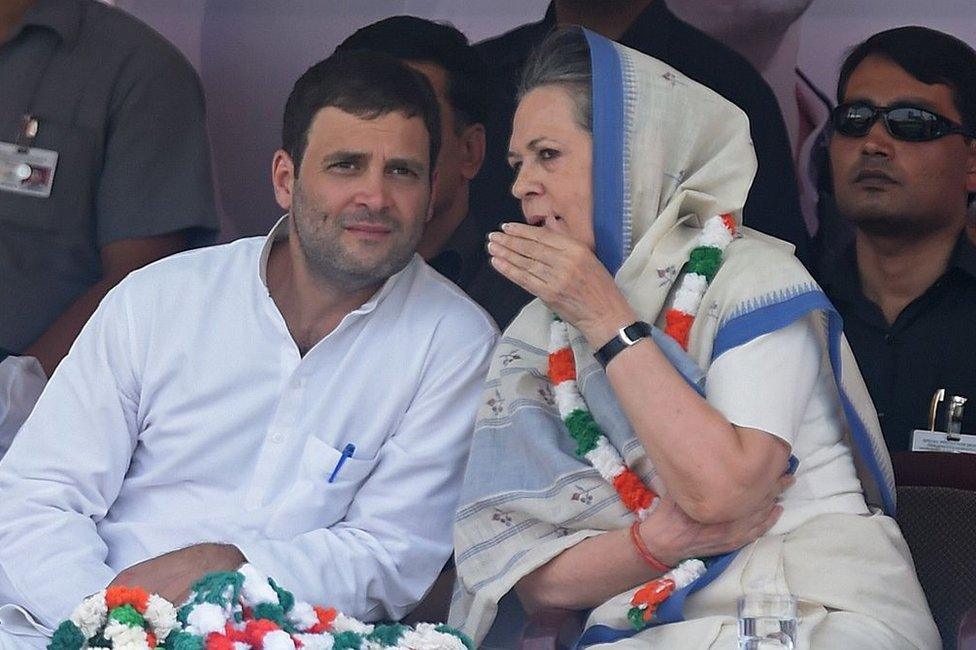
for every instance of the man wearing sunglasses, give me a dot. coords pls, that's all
(903, 162)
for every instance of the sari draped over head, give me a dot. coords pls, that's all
(668, 154)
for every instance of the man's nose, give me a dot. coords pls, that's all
(373, 191)
(877, 141)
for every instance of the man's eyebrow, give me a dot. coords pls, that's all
(911, 100)
(344, 155)
(412, 164)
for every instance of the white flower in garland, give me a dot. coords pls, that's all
(161, 616)
(126, 637)
(91, 614)
(426, 637)
(345, 623)
(206, 618)
(256, 588)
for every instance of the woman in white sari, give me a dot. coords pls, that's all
(622, 166)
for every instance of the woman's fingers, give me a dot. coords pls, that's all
(519, 260)
(519, 276)
(531, 248)
(535, 233)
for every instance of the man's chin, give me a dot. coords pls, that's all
(362, 271)
(887, 223)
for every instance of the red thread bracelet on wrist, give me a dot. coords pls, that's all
(644, 552)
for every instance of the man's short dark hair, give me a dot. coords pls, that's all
(409, 38)
(365, 84)
(928, 55)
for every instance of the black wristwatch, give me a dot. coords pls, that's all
(626, 337)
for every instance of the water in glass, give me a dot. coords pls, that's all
(767, 622)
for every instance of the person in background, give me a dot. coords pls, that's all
(903, 162)
(106, 119)
(302, 401)
(452, 242)
(647, 26)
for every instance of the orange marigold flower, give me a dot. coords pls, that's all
(118, 596)
(562, 366)
(632, 492)
(255, 631)
(653, 593)
(678, 326)
(217, 641)
(729, 222)
(326, 618)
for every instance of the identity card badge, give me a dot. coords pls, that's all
(25, 169)
(952, 440)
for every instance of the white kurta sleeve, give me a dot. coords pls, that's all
(767, 383)
(64, 470)
(380, 560)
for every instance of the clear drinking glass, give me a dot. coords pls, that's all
(767, 621)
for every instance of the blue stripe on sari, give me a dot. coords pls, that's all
(608, 151)
(769, 318)
(735, 332)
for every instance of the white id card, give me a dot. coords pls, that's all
(923, 440)
(27, 171)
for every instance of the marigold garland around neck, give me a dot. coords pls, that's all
(591, 444)
(242, 610)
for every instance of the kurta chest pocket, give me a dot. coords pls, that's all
(323, 465)
(312, 501)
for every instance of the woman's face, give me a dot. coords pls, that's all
(553, 157)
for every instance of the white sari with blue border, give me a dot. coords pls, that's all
(668, 154)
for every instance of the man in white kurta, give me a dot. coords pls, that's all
(194, 413)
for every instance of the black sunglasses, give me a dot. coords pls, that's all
(909, 123)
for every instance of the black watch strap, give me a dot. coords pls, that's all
(626, 337)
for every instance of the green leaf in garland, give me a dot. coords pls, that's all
(453, 631)
(184, 641)
(183, 612)
(218, 588)
(99, 641)
(285, 597)
(705, 260)
(128, 615)
(636, 617)
(387, 635)
(67, 637)
(347, 641)
(584, 430)
(271, 612)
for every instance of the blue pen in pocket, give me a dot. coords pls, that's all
(347, 452)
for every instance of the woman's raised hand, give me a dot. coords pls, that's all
(672, 536)
(565, 274)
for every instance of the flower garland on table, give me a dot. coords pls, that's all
(243, 610)
(591, 444)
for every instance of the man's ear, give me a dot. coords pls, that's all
(971, 168)
(283, 178)
(472, 146)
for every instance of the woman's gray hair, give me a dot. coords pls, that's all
(563, 59)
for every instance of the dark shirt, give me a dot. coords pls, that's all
(463, 255)
(929, 346)
(124, 111)
(773, 205)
